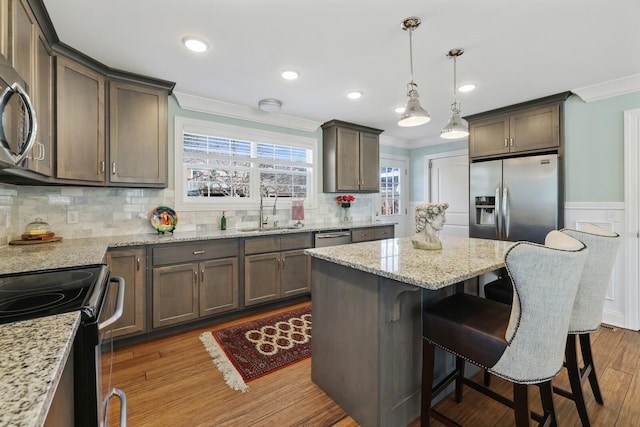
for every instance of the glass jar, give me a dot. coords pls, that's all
(37, 227)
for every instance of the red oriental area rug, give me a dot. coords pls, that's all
(253, 349)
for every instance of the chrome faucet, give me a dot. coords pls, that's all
(266, 190)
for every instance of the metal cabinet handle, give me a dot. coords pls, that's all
(138, 263)
(123, 406)
(113, 168)
(119, 304)
(195, 276)
(506, 142)
(511, 141)
(198, 252)
(202, 276)
(102, 166)
(282, 263)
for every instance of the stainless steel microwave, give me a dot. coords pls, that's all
(18, 125)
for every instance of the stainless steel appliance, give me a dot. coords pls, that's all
(332, 238)
(47, 292)
(515, 198)
(18, 125)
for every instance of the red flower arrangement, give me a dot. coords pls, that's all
(345, 201)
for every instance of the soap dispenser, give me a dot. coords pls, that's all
(223, 222)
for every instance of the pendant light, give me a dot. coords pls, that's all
(455, 128)
(414, 114)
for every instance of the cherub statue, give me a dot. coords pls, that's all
(429, 219)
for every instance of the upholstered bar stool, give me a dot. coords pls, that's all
(587, 310)
(522, 343)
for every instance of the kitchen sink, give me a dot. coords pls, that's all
(252, 229)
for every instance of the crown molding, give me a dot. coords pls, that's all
(226, 109)
(609, 88)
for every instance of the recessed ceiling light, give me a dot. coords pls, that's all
(399, 110)
(290, 74)
(195, 44)
(468, 87)
(354, 95)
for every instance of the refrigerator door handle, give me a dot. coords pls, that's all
(505, 210)
(496, 212)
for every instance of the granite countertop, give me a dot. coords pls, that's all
(460, 258)
(86, 251)
(33, 354)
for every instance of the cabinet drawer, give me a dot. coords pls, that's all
(362, 235)
(296, 241)
(194, 251)
(262, 244)
(383, 233)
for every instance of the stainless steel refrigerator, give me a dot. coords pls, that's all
(515, 199)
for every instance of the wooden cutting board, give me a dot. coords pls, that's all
(35, 242)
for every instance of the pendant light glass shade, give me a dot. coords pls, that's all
(455, 128)
(414, 114)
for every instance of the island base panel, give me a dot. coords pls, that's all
(366, 347)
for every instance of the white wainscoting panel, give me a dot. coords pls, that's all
(609, 215)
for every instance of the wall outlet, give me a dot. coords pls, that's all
(72, 217)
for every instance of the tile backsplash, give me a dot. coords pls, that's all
(124, 211)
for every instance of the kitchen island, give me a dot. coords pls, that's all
(367, 310)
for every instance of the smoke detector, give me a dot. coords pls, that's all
(270, 105)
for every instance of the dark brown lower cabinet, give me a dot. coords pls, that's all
(130, 264)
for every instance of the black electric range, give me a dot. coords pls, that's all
(42, 293)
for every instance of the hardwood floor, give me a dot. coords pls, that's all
(173, 382)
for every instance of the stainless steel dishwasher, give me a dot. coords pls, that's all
(332, 238)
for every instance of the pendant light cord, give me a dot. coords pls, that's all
(411, 55)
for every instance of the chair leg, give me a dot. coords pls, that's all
(573, 371)
(548, 408)
(428, 355)
(587, 358)
(487, 378)
(521, 404)
(460, 378)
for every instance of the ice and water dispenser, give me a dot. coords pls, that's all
(485, 206)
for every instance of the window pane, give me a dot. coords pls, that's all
(390, 191)
(217, 183)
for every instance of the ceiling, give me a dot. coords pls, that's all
(514, 51)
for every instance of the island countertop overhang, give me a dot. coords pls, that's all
(460, 258)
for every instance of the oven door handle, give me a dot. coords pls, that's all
(123, 406)
(119, 304)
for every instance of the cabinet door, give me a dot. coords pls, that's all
(138, 135)
(22, 39)
(295, 273)
(4, 28)
(369, 162)
(261, 278)
(347, 160)
(41, 159)
(536, 129)
(488, 137)
(218, 286)
(175, 294)
(80, 122)
(131, 266)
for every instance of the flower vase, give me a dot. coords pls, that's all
(345, 214)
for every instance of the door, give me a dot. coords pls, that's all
(449, 182)
(295, 273)
(369, 161)
(485, 192)
(261, 278)
(131, 266)
(530, 197)
(390, 203)
(175, 294)
(218, 286)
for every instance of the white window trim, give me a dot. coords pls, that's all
(242, 133)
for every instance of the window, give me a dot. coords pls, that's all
(230, 165)
(390, 191)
